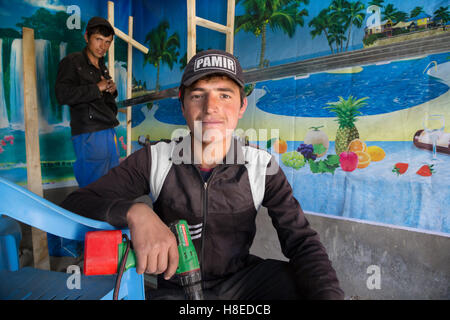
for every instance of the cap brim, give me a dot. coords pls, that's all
(203, 74)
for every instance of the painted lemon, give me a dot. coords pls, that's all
(376, 153)
(363, 159)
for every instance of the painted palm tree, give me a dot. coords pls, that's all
(277, 14)
(337, 35)
(162, 48)
(355, 15)
(339, 22)
(320, 24)
(416, 11)
(391, 13)
(443, 15)
(378, 3)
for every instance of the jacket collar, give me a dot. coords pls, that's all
(101, 64)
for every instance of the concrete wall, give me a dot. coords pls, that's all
(412, 265)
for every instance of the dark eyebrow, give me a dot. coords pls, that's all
(225, 89)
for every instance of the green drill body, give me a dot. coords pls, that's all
(188, 269)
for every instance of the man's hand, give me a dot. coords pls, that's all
(107, 85)
(155, 245)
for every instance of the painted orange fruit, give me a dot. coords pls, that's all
(363, 159)
(280, 146)
(357, 145)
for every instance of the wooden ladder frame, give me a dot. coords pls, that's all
(193, 21)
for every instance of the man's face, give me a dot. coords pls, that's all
(97, 44)
(214, 105)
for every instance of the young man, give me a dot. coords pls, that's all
(83, 83)
(217, 184)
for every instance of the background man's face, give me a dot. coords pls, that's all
(215, 105)
(98, 45)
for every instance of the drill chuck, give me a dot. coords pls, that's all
(192, 285)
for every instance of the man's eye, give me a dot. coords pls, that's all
(196, 96)
(225, 96)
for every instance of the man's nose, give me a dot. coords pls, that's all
(211, 103)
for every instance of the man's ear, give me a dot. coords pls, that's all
(86, 37)
(243, 107)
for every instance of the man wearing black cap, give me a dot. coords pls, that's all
(217, 184)
(83, 83)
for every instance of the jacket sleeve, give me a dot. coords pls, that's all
(68, 89)
(109, 198)
(315, 275)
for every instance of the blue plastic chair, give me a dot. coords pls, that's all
(30, 283)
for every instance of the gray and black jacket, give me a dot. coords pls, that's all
(220, 212)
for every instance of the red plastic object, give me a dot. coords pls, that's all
(101, 250)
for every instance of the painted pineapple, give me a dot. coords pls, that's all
(346, 112)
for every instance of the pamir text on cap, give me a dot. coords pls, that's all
(215, 61)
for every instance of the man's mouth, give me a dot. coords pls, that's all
(211, 121)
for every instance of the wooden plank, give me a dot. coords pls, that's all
(129, 82)
(211, 25)
(129, 39)
(34, 175)
(191, 30)
(111, 57)
(230, 24)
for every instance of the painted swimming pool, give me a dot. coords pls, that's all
(390, 87)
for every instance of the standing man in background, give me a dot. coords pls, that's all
(83, 82)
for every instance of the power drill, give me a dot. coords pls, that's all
(105, 253)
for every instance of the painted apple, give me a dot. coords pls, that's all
(348, 160)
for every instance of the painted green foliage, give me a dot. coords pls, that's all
(163, 48)
(277, 14)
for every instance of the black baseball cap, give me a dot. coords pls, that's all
(212, 62)
(97, 22)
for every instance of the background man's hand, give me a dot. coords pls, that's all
(107, 85)
(155, 245)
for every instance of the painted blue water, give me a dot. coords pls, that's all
(169, 111)
(390, 87)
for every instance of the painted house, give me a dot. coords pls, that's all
(422, 20)
(384, 27)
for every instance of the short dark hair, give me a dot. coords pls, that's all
(182, 89)
(103, 30)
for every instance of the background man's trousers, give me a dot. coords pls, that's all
(96, 153)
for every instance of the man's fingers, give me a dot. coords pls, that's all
(152, 262)
(162, 262)
(172, 263)
(141, 263)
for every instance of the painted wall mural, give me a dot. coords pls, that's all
(350, 139)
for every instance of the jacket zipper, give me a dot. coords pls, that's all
(205, 210)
